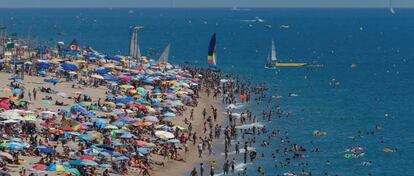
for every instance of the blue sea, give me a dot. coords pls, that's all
(336, 98)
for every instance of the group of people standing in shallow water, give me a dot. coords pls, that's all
(243, 129)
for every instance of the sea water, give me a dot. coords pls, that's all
(336, 98)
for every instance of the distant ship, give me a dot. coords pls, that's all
(255, 20)
(130, 11)
(284, 26)
(239, 9)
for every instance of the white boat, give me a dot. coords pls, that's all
(284, 26)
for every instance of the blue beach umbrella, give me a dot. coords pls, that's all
(17, 91)
(46, 150)
(74, 171)
(143, 150)
(52, 81)
(85, 137)
(69, 67)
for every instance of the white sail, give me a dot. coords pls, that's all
(134, 50)
(273, 54)
(391, 8)
(165, 54)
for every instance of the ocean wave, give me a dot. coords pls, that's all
(247, 126)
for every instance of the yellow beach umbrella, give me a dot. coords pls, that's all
(97, 76)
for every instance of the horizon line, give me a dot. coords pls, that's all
(240, 8)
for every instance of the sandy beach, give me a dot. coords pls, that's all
(191, 157)
(171, 167)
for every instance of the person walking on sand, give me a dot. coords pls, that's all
(211, 170)
(201, 169)
(30, 95)
(200, 149)
(34, 94)
(194, 172)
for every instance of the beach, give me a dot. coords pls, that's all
(171, 167)
(95, 124)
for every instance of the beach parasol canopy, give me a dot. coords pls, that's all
(10, 114)
(69, 67)
(51, 81)
(151, 119)
(56, 168)
(74, 171)
(164, 134)
(97, 77)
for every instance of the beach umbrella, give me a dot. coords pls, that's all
(89, 163)
(169, 114)
(51, 81)
(9, 121)
(76, 162)
(56, 168)
(176, 141)
(124, 99)
(103, 71)
(85, 137)
(151, 119)
(113, 127)
(121, 158)
(40, 167)
(97, 76)
(12, 146)
(74, 171)
(105, 166)
(46, 150)
(127, 135)
(164, 134)
(69, 67)
(66, 128)
(83, 158)
(17, 91)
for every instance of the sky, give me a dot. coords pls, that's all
(203, 3)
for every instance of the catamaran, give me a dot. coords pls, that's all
(273, 61)
(211, 59)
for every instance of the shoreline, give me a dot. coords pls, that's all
(173, 167)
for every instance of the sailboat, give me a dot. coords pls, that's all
(392, 8)
(211, 59)
(275, 63)
(271, 59)
(134, 50)
(165, 54)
